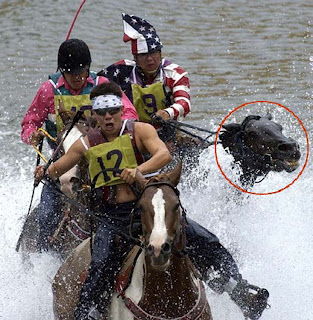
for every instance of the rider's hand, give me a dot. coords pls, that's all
(129, 175)
(39, 174)
(36, 138)
(163, 114)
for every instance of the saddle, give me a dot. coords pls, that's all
(123, 278)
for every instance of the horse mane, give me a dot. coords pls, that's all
(162, 177)
(83, 125)
(170, 178)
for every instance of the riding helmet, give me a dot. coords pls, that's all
(73, 56)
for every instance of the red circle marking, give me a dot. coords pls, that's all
(260, 193)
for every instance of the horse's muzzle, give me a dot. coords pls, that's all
(286, 156)
(160, 258)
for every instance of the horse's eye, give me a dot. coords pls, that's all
(176, 207)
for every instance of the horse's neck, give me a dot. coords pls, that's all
(177, 284)
(72, 137)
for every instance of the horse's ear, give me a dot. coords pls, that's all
(140, 180)
(174, 175)
(268, 116)
(232, 127)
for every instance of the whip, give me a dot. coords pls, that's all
(76, 15)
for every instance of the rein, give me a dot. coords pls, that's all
(201, 302)
(178, 125)
(246, 152)
(89, 213)
(194, 314)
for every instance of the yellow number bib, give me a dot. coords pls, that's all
(117, 154)
(69, 102)
(148, 100)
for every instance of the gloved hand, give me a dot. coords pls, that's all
(36, 137)
(163, 114)
(39, 174)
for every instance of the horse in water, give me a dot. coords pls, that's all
(74, 227)
(259, 146)
(163, 284)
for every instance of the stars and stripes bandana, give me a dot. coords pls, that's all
(141, 33)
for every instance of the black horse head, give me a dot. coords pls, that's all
(259, 146)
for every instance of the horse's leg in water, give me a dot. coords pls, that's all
(69, 280)
(30, 232)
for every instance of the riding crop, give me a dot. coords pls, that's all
(74, 20)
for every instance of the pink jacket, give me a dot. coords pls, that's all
(43, 105)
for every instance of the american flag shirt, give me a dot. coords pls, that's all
(174, 78)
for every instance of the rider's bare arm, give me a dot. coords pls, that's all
(68, 161)
(65, 163)
(148, 140)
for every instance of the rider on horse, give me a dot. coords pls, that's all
(155, 85)
(122, 145)
(68, 87)
(158, 87)
(119, 144)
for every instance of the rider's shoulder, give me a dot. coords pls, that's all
(143, 129)
(139, 125)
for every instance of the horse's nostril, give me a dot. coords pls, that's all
(150, 249)
(166, 247)
(287, 147)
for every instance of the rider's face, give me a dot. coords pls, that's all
(76, 81)
(110, 122)
(148, 62)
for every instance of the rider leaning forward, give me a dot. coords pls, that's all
(128, 141)
(69, 86)
(159, 87)
(113, 197)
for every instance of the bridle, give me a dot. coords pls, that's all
(245, 152)
(201, 302)
(137, 212)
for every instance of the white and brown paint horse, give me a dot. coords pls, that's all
(163, 283)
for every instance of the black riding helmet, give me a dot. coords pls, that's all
(73, 56)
